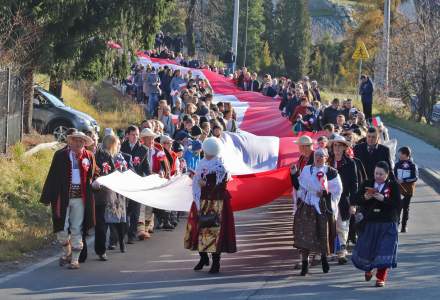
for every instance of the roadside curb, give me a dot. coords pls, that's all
(431, 177)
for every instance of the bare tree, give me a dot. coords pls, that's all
(415, 59)
(18, 38)
(205, 25)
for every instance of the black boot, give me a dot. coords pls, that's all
(404, 221)
(166, 216)
(325, 265)
(304, 268)
(215, 268)
(122, 244)
(121, 235)
(204, 261)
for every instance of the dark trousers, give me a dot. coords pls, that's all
(100, 230)
(405, 210)
(133, 210)
(83, 254)
(117, 233)
(352, 231)
(164, 217)
(367, 107)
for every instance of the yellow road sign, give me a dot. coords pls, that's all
(361, 52)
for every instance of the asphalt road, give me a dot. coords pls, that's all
(264, 267)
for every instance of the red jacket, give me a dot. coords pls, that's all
(298, 110)
(158, 159)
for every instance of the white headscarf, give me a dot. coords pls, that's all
(205, 167)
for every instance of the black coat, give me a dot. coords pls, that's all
(139, 152)
(329, 116)
(291, 106)
(254, 86)
(377, 211)
(348, 172)
(360, 170)
(366, 91)
(229, 57)
(369, 160)
(57, 186)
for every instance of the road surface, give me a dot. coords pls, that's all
(264, 267)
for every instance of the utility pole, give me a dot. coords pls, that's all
(235, 30)
(386, 46)
(246, 33)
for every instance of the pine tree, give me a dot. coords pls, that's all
(254, 31)
(269, 23)
(294, 36)
(266, 61)
(72, 37)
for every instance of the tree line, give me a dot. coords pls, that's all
(68, 40)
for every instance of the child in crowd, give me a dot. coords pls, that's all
(310, 121)
(299, 125)
(192, 155)
(322, 142)
(329, 130)
(180, 163)
(406, 173)
(318, 114)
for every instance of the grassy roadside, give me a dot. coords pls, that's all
(395, 117)
(25, 224)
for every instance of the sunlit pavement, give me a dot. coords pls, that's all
(264, 267)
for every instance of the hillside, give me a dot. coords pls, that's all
(331, 17)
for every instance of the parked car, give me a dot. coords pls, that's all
(52, 116)
(435, 117)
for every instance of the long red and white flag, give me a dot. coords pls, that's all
(258, 156)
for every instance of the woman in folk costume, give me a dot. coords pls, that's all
(376, 247)
(170, 166)
(110, 206)
(305, 145)
(210, 227)
(346, 167)
(317, 200)
(68, 189)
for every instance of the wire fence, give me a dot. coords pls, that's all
(11, 109)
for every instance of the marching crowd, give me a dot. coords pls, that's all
(346, 187)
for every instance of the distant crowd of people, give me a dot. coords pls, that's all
(347, 186)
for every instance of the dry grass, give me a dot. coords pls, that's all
(103, 103)
(100, 100)
(24, 222)
(34, 138)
